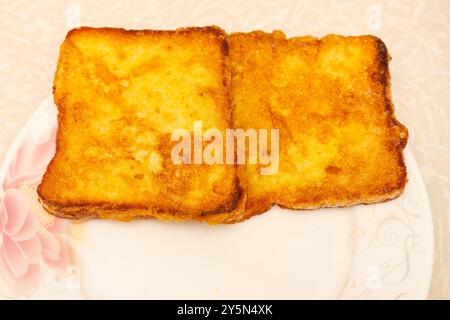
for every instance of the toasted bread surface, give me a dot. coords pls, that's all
(120, 94)
(330, 99)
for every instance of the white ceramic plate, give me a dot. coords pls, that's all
(363, 252)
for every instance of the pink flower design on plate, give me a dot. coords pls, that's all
(31, 160)
(26, 245)
(20, 247)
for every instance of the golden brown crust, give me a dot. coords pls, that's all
(114, 123)
(340, 143)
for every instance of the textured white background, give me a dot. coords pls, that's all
(417, 34)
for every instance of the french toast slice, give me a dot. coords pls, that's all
(120, 94)
(339, 142)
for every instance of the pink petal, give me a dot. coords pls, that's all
(16, 209)
(29, 281)
(59, 226)
(63, 260)
(3, 215)
(50, 246)
(24, 284)
(4, 269)
(28, 178)
(31, 249)
(32, 157)
(14, 257)
(29, 228)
